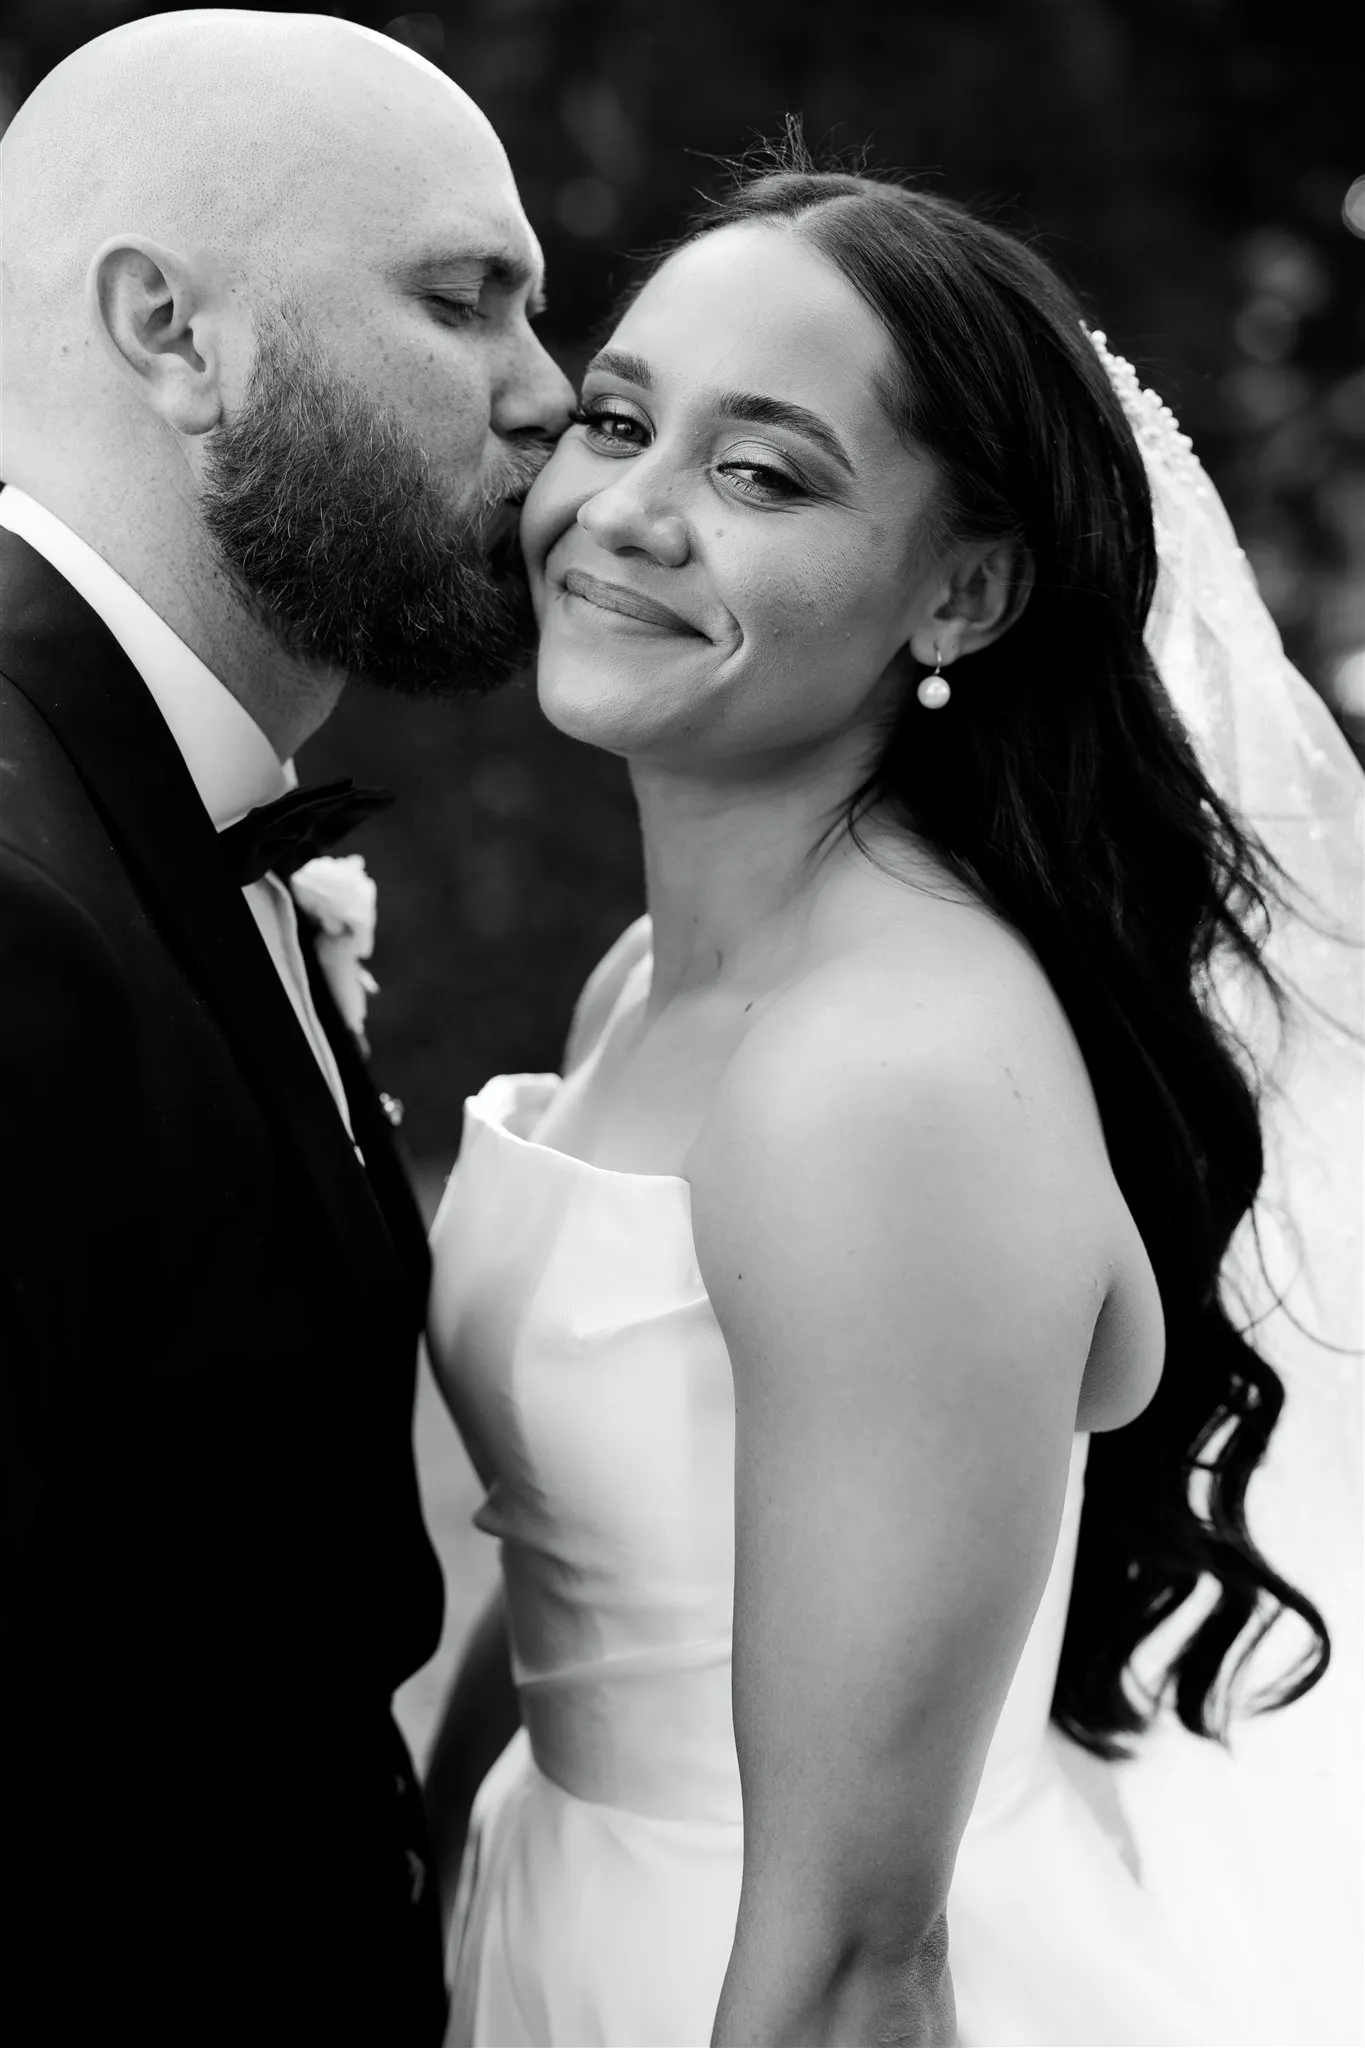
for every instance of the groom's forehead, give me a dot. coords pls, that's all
(495, 242)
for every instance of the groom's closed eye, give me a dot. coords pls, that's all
(461, 277)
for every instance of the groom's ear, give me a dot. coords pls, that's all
(153, 311)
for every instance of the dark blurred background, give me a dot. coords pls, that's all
(1193, 166)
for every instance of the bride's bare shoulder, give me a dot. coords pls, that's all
(937, 982)
(920, 1091)
(941, 1015)
(602, 991)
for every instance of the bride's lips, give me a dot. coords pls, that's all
(627, 604)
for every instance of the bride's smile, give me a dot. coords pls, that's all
(629, 607)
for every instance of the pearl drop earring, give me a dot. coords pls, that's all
(935, 690)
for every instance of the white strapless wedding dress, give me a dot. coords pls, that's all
(575, 1343)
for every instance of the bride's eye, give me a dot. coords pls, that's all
(609, 429)
(760, 481)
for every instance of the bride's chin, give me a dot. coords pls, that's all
(585, 710)
(621, 699)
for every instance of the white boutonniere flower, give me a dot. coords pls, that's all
(336, 891)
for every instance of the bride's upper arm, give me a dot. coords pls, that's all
(907, 1284)
(600, 991)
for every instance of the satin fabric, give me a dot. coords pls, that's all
(580, 1355)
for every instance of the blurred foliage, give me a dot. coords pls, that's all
(1186, 163)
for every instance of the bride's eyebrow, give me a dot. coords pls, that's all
(735, 405)
(780, 412)
(614, 362)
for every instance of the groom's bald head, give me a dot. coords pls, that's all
(191, 197)
(270, 147)
(258, 137)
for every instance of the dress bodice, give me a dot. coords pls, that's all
(578, 1349)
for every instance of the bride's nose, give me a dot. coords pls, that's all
(628, 518)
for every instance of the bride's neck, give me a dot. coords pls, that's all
(732, 869)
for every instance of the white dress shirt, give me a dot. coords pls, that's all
(230, 761)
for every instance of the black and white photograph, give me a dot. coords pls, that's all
(682, 1025)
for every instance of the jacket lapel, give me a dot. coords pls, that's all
(58, 652)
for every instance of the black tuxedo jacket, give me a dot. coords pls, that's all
(213, 1567)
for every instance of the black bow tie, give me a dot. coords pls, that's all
(280, 837)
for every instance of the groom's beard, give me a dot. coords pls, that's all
(322, 509)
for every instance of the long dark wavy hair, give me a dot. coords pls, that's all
(1062, 788)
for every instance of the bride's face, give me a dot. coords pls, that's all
(725, 551)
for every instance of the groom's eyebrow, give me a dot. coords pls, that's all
(736, 405)
(510, 273)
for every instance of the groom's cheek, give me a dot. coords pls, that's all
(392, 345)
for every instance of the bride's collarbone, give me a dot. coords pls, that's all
(641, 1099)
(637, 1100)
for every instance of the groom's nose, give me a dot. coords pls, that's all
(533, 395)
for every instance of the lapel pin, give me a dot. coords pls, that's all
(392, 1108)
